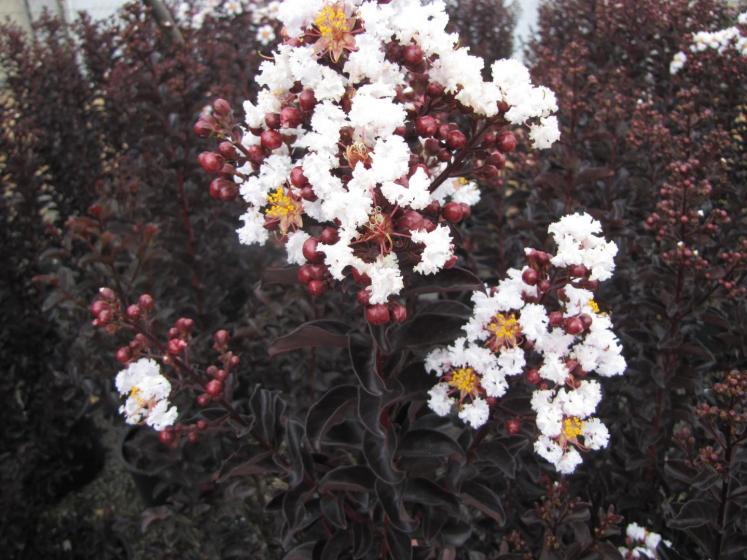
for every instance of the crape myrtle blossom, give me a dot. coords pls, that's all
(147, 395)
(368, 141)
(641, 543)
(730, 38)
(540, 322)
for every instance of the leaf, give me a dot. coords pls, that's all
(450, 280)
(390, 499)
(400, 544)
(259, 464)
(484, 499)
(694, 513)
(369, 412)
(334, 406)
(591, 175)
(336, 545)
(356, 478)
(379, 454)
(314, 334)
(429, 329)
(301, 552)
(363, 361)
(428, 443)
(267, 407)
(299, 456)
(332, 511)
(497, 454)
(424, 492)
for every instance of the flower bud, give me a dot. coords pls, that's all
(255, 154)
(272, 120)
(307, 100)
(530, 276)
(412, 55)
(513, 426)
(304, 274)
(434, 89)
(227, 150)
(297, 178)
(316, 288)
(506, 141)
(210, 162)
(426, 126)
(202, 129)
(271, 139)
(123, 355)
(146, 302)
(360, 278)
(214, 388)
(307, 193)
(329, 236)
(363, 297)
(166, 437)
(533, 376)
(310, 251)
(221, 337)
(291, 117)
(399, 312)
(574, 326)
(133, 312)
(456, 140)
(377, 314)
(497, 159)
(221, 107)
(453, 212)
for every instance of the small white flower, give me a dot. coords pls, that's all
(475, 413)
(265, 35)
(147, 393)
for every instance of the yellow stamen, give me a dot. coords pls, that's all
(464, 379)
(279, 204)
(572, 427)
(332, 22)
(461, 181)
(505, 329)
(593, 305)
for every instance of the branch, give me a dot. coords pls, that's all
(165, 20)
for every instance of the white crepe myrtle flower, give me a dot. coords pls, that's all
(265, 35)
(325, 148)
(147, 393)
(729, 39)
(641, 543)
(557, 337)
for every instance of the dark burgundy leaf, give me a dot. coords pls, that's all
(314, 334)
(450, 280)
(399, 544)
(428, 443)
(695, 513)
(424, 492)
(332, 409)
(336, 545)
(286, 275)
(363, 360)
(379, 454)
(390, 499)
(356, 478)
(484, 499)
(497, 454)
(331, 508)
(301, 552)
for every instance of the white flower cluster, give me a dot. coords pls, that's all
(147, 393)
(641, 542)
(193, 14)
(720, 41)
(348, 100)
(511, 331)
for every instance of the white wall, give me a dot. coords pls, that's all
(97, 8)
(525, 24)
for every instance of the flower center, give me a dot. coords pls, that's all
(572, 427)
(357, 152)
(332, 22)
(464, 379)
(505, 330)
(594, 306)
(280, 204)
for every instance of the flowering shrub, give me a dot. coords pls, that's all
(437, 391)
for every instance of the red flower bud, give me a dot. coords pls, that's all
(166, 437)
(146, 302)
(201, 425)
(227, 150)
(271, 139)
(291, 117)
(574, 326)
(255, 154)
(192, 437)
(107, 293)
(456, 140)
(434, 89)
(202, 129)
(133, 312)
(221, 107)
(316, 288)
(497, 159)
(176, 346)
(214, 387)
(530, 276)
(578, 270)
(363, 297)
(210, 162)
(506, 141)
(556, 318)
(533, 376)
(377, 314)
(489, 138)
(307, 100)
(513, 426)
(272, 120)
(329, 236)
(304, 274)
(123, 355)
(399, 312)
(426, 126)
(203, 400)
(453, 212)
(413, 55)
(411, 221)
(98, 306)
(360, 278)
(310, 252)
(297, 178)
(221, 337)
